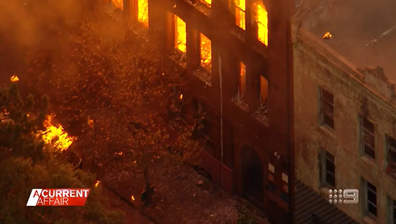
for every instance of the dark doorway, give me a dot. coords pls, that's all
(253, 184)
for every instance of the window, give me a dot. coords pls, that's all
(326, 108)
(285, 189)
(271, 179)
(180, 34)
(142, 12)
(241, 88)
(240, 17)
(118, 3)
(262, 24)
(367, 142)
(327, 169)
(391, 216)
(391, 156)
(263, 96)
(205, 53)
(370, 199)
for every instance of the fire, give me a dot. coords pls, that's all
(14, 78)
(56, 136)
(240, 7)
(242, 79)
(97, 183)
(262, 24)
(118, 3)
(142, 7)
(209, 2)
(327, 35)
(206, 53)
(181, 96)
(180, 34)
(132, 198)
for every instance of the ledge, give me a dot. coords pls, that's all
(204, 75)
(368, 220)
(240, 103)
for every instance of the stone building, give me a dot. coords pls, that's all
(345, 105)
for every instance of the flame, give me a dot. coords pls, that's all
(56, 136)
(120, 153)
(209, 2)
(14, 78)
(262, 24)
(142, 6)
(97, 183)
(118, 3)
(240, 7)
(327, 35)
(181, 96)
(206, 53)
(180, 34)
(132, 198)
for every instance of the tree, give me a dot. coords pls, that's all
(27, 163)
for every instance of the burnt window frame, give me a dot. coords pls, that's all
(326, 118)
(238, 94)
(367, 130)
(326, 158)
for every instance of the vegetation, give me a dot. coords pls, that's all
(26, 163)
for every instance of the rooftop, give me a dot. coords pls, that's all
(363, 31)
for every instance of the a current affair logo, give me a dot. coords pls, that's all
(58, 197)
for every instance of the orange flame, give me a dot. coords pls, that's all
(56, 136)
(14, 78)
(118, 3)
(97, 183)
(181, 96)
(142, 7)
(132, 198)
(327, 35)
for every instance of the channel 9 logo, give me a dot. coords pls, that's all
(346, 196)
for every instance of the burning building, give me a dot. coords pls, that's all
(239, 57)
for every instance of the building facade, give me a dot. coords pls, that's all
(345, 109)
(239, 60)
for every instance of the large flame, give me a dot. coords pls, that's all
(262, 24)
(142, 7)
(118, 3)
(206, 53)
(180, 34)
(56, 136)
(240, 7)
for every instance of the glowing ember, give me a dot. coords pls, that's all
(132, 198)
(90, 123)
(120, 153)
(327, 35)
(181, 96)
(56, 136)
(262, 24)
(142, 8)
(209, 2)
(14, 78)
(97, 183)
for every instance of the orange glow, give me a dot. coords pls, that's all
(262, 25)
(263, 90)
(181, 96)
(327, 35)
(132, 198)
(143, 12)
(56, 136)
(97, 183)
(14, 78)
(206, 53)
(180, 34)
(118, 3)
(240, 7)
(242, 80)
(209, 2)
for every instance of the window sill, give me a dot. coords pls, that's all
(368, 160)
(204, 75)
(179, 58)
(238, 33)
(327, 130)
(368, 220)
(201, 7)
(262, 116)
(240, 103)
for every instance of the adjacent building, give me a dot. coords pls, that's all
(345, 103)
